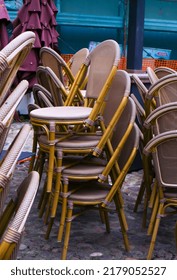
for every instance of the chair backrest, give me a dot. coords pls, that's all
(117, 95)
(50, 58)
(124, 124)
(24, 201)
(115, 103)
(164, 90)
(163, 71)
(124, 159)
(9, 161)
(163, 150)
(77, 59)
(140, 100)
(153, 78)
(163, 118)
(140, 86)
(48, 79)
(102, 63)
(120, 133)
(11, 58)
(66, 73)
(102, 60)
(7, 110)
(42, 96)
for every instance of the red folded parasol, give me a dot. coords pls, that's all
(4, 20)
(38, 16)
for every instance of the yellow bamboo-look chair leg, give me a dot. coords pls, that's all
(122, 225)
(102, 217)
(68, 230)
(56, 192)
(140, 195)
(6, 250)
(44, 202)
(63, 210)
(153, 194)
(176, 234)
(6, 216)
(49, 227)
(147, 182)
(106, 218)
(153, 216)
(48, 208)
(34, 151)
(42, 195)
(155, 230)
(40, 163)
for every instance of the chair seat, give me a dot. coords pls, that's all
(171, 193)
(61, 113)
(91, 191)
(86, 169)
(76, 142)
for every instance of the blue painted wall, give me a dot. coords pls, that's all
(82, 21)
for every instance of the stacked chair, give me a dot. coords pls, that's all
(66, 72)
(42, 96)
(92, 136)
(57, 76)
(103, 181)
(7, 110)
(11, 58)
(76, 60)
(162, 71)
(95, 143)
(13, 210)
(47, 79)
(149, 101)
(9, 161)
(158, 150)
(78, 115)
(158, 73)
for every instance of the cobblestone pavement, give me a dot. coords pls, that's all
(89, 239)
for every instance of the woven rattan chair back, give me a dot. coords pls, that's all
(24, 201)
(163, 151)
(115, 103)
(9, 161)
(65, 72)
(7, 110)
(77, 59)
(162, 71)
(102, 63)
(94, 193)
(11, 58)
(47, 79)
(42, 96)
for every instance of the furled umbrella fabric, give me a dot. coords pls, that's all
(38, 16)
(4, 21)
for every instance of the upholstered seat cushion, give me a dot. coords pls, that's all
(91, 191)
(76, 142)
(61, 113)
(86, 168)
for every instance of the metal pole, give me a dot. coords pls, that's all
(135, 34)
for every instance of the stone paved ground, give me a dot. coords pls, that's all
(88, 237)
